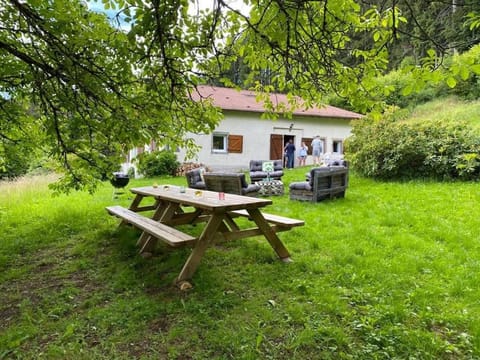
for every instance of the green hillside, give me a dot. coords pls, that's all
(448, 109)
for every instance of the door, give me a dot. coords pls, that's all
(276, 146)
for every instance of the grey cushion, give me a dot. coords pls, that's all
(243, 180)
(198, 185)
(302, 185)
(256, 165)
(337, 163)
(194, 178)
(250, 189)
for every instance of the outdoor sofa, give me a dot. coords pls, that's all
(231, 183)
(257, 172)
(322, 183)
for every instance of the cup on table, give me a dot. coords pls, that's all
(182, 189)
(221, 196)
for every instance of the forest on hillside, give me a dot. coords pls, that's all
(444, 26)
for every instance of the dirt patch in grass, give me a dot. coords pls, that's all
(45, 277)
(9, 312)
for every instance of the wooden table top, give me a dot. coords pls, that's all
(202, 199)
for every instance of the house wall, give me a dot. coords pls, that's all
(256, 137)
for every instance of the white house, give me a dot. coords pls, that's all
(243, 136)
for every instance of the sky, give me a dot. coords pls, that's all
(97, 6)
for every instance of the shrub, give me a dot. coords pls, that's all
(15, 161)
(388, 149)
(157, 163)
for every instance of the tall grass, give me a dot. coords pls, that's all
(449, 109)
(390, 271)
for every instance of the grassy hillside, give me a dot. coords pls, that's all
(450, 108)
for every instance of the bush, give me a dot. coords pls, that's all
(158, 163)
(388, 149)
(14, 161)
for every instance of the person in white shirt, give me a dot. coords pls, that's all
(317, 150)
(302, 154)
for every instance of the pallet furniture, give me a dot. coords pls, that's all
(172, 208)
(258, 173)
(195, 178)
(231, 183)
(324, 182)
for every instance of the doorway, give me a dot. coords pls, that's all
(277, 144)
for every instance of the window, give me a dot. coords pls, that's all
(219, 143)
(308, 142)
(338, 146)
(224, 143)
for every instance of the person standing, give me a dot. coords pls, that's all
(302, 154)
(317, 150)
(290, 153)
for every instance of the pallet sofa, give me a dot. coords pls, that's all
(231, 183)
(258, 173)
(324, 182)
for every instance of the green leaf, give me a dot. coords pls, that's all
(476, 69)
(451, 82)
(464, 74)
(407, 90)
(431, 53)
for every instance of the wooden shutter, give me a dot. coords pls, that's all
(235, 143)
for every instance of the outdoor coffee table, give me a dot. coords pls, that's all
(270, 187)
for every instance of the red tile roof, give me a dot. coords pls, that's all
(244, 100)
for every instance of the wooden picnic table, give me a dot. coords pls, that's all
(172, 208)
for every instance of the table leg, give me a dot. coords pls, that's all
(164, 213)
(136, 202)
(269, 234)
(200, 247)
(159, 211)
(144, 238)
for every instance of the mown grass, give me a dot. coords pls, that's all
(390, 271)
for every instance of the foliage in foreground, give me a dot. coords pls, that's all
(391, 149)
(94, 89)
(388, 272)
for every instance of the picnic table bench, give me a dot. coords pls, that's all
(168, 234)
(281, 221)
(173, 207)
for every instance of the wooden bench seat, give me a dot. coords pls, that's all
(274, 219)
(171, 236)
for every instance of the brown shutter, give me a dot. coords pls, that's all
(235, 143)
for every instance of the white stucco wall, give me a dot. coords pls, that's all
(256, 137)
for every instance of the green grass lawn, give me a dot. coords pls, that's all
(390, 271)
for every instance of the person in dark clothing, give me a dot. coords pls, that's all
(290, 154)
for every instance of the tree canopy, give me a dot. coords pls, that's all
(85, 90)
